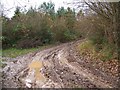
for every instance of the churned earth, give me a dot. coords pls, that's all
(57, 67)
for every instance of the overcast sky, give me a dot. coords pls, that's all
(11, 4)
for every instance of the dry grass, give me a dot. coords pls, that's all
(88, 48)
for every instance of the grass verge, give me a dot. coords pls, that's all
(88, 48)
(14, 52)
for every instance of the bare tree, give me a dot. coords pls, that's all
(110, 11)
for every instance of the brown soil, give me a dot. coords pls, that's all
(59, 67)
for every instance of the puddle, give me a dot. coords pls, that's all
(36, 67)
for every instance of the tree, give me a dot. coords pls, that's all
(61, 12)
(48, 8)
(110, 11)
(17, 12)
(80, 15)
(31, 11)
(70, 18)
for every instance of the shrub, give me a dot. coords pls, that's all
(107, 53)
(88, 48)
(28, 43)
(69, 35)
(58, 29)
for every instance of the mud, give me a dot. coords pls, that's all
(57, 67)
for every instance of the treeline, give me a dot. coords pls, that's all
(39, 26)
(45, 26)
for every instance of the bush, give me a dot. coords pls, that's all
(97, 36)
(108, 52)
(88, 48)
(58, 29)
(38, 27)
(69, 35)
(29, 43)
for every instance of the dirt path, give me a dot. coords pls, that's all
(57, 67)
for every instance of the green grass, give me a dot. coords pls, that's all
(14, 52)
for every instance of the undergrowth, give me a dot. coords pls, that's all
(104, 54)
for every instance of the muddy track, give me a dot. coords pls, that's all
(61, 68)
